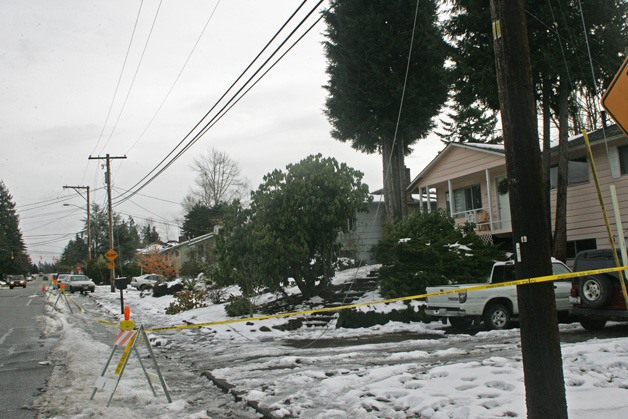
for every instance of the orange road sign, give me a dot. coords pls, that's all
(615, 100)
(111, 255)
(111, 265)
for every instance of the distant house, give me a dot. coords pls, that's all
(468, 181)
(198, 248)
(364, 233)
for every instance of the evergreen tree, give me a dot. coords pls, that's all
(149, 234)
(75, 252)
(561, 69)
(292, 227)
(201, 220)
(368, 52)
(13, 256)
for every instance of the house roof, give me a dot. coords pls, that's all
(577, 141)
(495, 149)
(612, 131)
(190, 242)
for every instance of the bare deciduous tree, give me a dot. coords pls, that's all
(219, 180)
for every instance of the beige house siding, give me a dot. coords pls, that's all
(585, 219)
(459, 166)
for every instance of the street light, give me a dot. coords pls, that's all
(89, 234)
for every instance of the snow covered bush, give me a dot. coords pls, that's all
(239, 306)
(428, 249)
(187, 300)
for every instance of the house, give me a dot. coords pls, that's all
(364, 232)
(198, 249)
(468, 181)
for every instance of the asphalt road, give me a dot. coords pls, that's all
(24, 371)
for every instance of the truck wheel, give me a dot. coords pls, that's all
(592, 325)
(497, 317)
(460, 323)
(596, 291)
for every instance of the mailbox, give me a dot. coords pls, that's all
(122, 282)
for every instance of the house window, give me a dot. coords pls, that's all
(575, 246)
(623, 159)
(578, 173)
(467, 199)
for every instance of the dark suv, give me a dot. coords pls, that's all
(598, 298)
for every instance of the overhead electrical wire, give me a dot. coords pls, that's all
(115, 93)
(176, 79)
(137, 69)
(216, 103)
(136, 188)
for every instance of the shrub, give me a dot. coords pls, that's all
(187, 300)
(428, 249)
(240, 306)
(166, 288)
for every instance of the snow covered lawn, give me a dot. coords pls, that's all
(312, 373)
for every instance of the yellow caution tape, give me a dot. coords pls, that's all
(125, 354)
(525, 281)
(539, 279)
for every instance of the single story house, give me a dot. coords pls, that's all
(468, 181)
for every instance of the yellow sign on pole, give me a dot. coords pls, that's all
(111, 265)
(615, 100)
(111, 255)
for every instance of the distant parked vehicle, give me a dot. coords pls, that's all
(81, 283)
(16, 281)
(146, 281)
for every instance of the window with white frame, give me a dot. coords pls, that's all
(467, 199)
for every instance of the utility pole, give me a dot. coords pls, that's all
(108, 158)
(89, 230)
(540, 342)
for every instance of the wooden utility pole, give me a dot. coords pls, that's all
(89, 230)
(540, 343)
(108, 158)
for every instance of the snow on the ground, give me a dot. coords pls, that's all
(402, 379)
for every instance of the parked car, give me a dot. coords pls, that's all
(59, 278)
(16, 281)
(599, 298)
(146, 281)
(75, 283)
(496, 307)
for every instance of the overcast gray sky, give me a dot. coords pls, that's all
(60, 63)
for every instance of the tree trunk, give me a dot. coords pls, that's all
(394, 193)
(560, 226)
(547, 89)
(540, 343)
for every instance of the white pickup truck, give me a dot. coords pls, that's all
(496, 307)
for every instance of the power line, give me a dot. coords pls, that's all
(220, 114)
(115, 93)
(176, 79)
(137, 69)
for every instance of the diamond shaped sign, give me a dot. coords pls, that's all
(111, 255)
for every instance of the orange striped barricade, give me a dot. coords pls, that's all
(127, 338)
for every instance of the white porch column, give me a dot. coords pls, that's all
(488, 197)
(451, 199)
